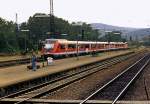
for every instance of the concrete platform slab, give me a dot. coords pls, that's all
(17, 74)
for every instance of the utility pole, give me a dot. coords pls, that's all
(51, 21)
(16, 29)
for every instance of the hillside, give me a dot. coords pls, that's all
(106, 27)
(139, 34)
(135, 33)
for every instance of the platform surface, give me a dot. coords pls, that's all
(16, 74)
(16, 57)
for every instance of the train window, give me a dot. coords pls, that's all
(100, 46)
(62, 46)
(87, 46)
(71, 45)
(93, 46)
(82, 46)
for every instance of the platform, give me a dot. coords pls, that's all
(17, 74)
(17, 57)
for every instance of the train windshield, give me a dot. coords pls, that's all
(49, 44)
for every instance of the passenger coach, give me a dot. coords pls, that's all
(63, 47)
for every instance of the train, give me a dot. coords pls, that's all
(63, 47)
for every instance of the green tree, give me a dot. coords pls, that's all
(39, 26)
(7, 36)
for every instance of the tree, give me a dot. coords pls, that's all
(13, 40)
(39, 26)
(7, 36)
(114, 36)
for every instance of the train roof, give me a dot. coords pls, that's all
(65, 41)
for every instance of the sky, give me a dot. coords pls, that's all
(127, 13)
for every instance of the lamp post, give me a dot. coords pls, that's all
(64, 35)
(25, 41)
(77, 45)
(45, 16)
(97, 37)
(108, 38)
(77, 39)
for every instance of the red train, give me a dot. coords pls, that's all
(63, 47)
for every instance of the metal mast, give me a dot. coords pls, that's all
(16, 28)
(16, 24)
(51, 23)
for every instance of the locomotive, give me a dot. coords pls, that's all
(64, 47)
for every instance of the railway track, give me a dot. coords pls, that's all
(55, 84)
(115, 88)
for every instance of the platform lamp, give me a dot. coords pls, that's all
(108, 38)
(96, 39)
(117, 33)
(25, 41)
(43, 16)
(63, 36)
(77, 38)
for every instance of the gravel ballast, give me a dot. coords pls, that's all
(84, 87)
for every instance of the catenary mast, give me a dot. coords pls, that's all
(51, 23)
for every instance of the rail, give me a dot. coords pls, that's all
(122, 82)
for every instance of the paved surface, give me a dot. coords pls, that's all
(16, 74)
(15, 57)
(7, 58)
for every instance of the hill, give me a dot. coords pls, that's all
(106, 27)
(135, 33)
(139, 34)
